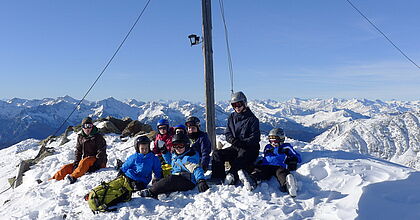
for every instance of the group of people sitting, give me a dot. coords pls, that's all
(188, 150)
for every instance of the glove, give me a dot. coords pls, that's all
(237, 143)
(119, 164)
(161, 146)
(120, 173)
(75, 165)
(269, 150)
(202, 185)
(205, 168)
(291, 163)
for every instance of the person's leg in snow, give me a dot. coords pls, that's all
(172, 183)
(281, 174)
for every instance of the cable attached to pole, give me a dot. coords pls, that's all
(383, 34)
(106, 66)
(222, 12)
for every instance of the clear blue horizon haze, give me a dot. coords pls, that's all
(280, 49)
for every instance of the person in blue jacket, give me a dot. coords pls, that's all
(139, 166)
(200, 141)
(186, 170)
(279, 159)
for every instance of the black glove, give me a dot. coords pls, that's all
(236, 143)
(119, 164)
(120, 173)
(205, 168)
(75, 165)
(291, 163)
(202, 185)
(269, 150)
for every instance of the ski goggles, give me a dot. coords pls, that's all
(178, 146)
(237, 104)
(163, 127)
(86, 126)
(275, 139)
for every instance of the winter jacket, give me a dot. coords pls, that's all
(245, 127)
(139, 167)
(91, 145)
(167, 138)
(186, 164)
(201, 144)
(276, 156)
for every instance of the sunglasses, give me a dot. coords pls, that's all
(162, 127)
(87, 126)
(178, 146)
(237, 104)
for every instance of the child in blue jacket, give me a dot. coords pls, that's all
(186, 170)
(139, 166)
(279, 159)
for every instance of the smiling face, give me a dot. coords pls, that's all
(87, 128)
(144, 148)
(163, 129)
(238, 107)
(192, 129)
(179, 148)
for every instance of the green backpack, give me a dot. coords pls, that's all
(109, 194)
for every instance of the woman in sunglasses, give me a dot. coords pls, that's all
(90, 153)
(279, 159)
(186, 170)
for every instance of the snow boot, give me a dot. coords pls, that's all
(291, 185)
(145, 193)
(71, 179)
(249, 183)
(229, 179)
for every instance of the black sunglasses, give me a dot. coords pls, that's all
(237, 104)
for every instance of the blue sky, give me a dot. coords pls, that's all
(280, 49)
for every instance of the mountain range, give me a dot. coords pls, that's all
(334, 123)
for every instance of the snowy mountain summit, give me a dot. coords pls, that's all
(332, 185)
(303, 119)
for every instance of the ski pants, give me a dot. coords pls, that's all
(238, 159)
(81, 169)
(171, 183)
(264, 172)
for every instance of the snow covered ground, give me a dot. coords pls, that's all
(332, 185)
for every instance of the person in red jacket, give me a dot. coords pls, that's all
(164, 136)
(90, 153)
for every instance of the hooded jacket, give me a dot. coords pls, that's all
(186, 164)
(91, 145)
(245, 127)
(276, 156)
(139, 167)
(201, 144)
(167, 138)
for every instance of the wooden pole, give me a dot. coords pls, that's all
(208, 71)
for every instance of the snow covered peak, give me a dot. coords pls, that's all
(395, 138)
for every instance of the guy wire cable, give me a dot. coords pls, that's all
(106, 66)
(383, 34)
(222, 12)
